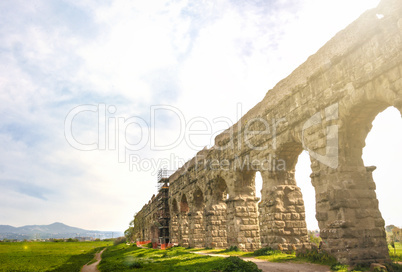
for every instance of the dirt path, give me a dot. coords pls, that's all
(93, 267)
(278, 267)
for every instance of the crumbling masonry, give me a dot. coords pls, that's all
(326, 106)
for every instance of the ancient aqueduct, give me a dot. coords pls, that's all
(326, 106)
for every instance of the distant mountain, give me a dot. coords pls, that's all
(55, 230)
(7, 228)
(52, 228)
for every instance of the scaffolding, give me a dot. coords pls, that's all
(163, 176)
(163, 205)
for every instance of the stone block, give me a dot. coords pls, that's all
(295, 216)
(248, 227)
(253, 221)
(379, 222)
(299, 209)
(321, 216)
(363, 213)
(240, 209)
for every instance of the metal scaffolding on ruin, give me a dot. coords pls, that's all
(163, 205)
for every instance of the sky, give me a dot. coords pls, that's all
(96, 96)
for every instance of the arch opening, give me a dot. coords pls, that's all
(258, 186)
(302, 176)
(303, 180)
(183, 222)
(174, 228)
(175, 209)
(184, 204)
(220, 192)
(357, 128)
(198, 197)
(383, 149)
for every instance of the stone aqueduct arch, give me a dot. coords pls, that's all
(325, 106)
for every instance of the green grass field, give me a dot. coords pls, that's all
(277, 256)
(123, 258)
(71, 256)
(47, 256)
(398, 256)
(269, 255)
(131, 258)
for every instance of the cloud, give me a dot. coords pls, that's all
(25, 188)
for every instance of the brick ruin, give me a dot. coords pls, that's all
(326, 107)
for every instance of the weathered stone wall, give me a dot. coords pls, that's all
(147, 221)
(326, 106)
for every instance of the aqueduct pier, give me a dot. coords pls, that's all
(326, 106)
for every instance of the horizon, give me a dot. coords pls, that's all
(28, 225)
(120, 60)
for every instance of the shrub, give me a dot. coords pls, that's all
(393, 267)
(233, 248)
(317, 256)
(119, 240)
(266, 251)
(235, 264)
(314, 238)
(149, 245)
(135, 265)
(338, 266)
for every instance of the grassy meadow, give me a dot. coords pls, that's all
(126, 258)
(47, 256)
(131, 258)
(398, 256)
(71, 256)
